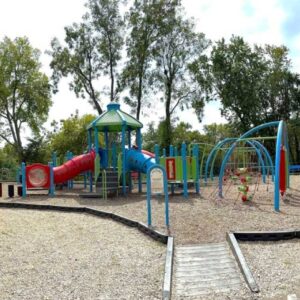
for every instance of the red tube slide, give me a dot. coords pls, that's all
(73, 167)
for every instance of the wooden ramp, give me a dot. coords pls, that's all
(205, 269)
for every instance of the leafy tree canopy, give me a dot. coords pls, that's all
(25, 95)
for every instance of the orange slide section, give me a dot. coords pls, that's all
(73, 167)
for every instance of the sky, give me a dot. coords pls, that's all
(261, 22)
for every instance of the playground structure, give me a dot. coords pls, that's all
(279, 170)
(109, 164)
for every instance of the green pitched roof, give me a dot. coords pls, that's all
(113, 119)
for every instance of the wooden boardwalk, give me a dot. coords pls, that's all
(205, 269)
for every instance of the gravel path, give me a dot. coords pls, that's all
(201, 219)
(275, 266)
(52, 255)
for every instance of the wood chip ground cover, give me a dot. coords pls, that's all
(200, 219)
(53, 255)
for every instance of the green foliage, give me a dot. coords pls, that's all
(217, 132)
(146, 20)
(37, 150)
(72, 136)
(80, 60)
(108, 25)
(24, 91)
(92, 49)
(177, 48)
(255, 85)
(182, 133)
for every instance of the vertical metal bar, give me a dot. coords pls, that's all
(51, 190)
(23, 170)
(123, 160)
(149, 217)
(196, 155)
(277, 167)
(139, 144)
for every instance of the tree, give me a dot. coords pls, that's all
(176, 50)
(79, 59)
(218, 132)
(107, 23)
(71, 136)
(255, 85)
(146, 20)
(24, 91)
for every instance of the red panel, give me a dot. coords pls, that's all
(38, 176)
(171, 168)
(282, 176)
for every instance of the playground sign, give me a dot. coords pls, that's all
(171, 168)
(157, 181)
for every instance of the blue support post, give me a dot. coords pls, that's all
(184, 170)
(52, 186)
(23, 170)
(175, 151)
(139, 145)
(277, 167)
(164, 152)
(196, 155)
(129, 177)
(123, 160)
(54, 158)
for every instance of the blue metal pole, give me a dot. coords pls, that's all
(164, 152)
(139, 145)
(23, 170)
(149, 216)
(54, 158)
(52, 189)
(277, 167)
(123, 160)
(196, 155)
(129, 177)
(175, 151)
(184, 170)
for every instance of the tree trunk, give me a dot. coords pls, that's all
(139, 98)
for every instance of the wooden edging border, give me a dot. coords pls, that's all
(235, 248)
(154, 234)
(252, 236)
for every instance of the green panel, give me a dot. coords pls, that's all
(178, 163)
(97, 167)
(194, 168)
(162, 162)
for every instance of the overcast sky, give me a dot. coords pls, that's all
(258, 21)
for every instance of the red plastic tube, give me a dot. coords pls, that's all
(73, 167)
